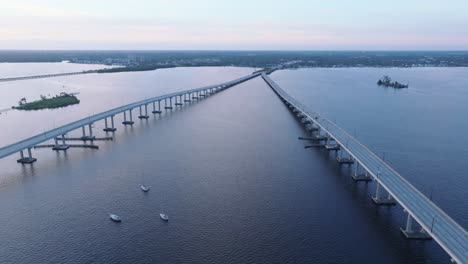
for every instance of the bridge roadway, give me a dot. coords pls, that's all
(60, 131)
(436, 223)
(20, 78)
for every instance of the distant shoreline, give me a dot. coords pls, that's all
(131, 69)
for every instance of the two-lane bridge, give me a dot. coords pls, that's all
(179, 98)
(434, 222)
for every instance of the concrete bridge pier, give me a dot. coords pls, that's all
(128, 122)
(159, 108)
(185, 98)
(165, 103)
(330, 146)
(357, 176)
(194, 96)
(344, 160)
(107, 128)
(26, 160)
(381, 199)
(62, 146)
(145, 116)
(90, 137)
(414, 233)
(180, 100)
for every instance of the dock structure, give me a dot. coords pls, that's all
(58, 134)
(391, 187)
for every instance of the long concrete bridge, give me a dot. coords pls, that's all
(424, 220)
(391, 188)
(59, 134)
(21, 78)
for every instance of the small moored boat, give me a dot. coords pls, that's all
(144, 188)
(115, 218)
(164, 217)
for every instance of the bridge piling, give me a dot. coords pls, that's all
(59, 147)
(26, 160)
(159, 107)
(145, 116)
(411, 233)
(185, 98)
(128, 122)
(84, 136)
(112, 128)
(380, 199)
(180, 100)
(344, 160)
(357, 177)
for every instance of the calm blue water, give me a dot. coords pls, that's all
(238, 185)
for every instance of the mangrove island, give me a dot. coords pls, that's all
(387, 82)
(61, 100)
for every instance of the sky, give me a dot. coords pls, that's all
(234, 24)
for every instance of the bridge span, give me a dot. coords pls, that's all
(42, 76)
(59, 134)
(433, 222)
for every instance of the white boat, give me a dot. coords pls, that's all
(164, 217)
(115, 218)
(144, 188)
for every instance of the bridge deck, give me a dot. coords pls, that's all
(32, 141)
(450, 235)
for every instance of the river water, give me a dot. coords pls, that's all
(238, 185)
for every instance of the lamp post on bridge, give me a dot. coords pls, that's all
(432, 224)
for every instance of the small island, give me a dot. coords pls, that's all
(61, 100)
(387, 82)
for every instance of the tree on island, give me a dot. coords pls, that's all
(22, 101)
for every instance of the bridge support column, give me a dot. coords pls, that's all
(26, 160)
(185, 98)
(90, 137)
(412, 233)
(165, 103)
(112, 128)
(145, 116)
(343, 160)
(360, 176)
(180, 100)
(128, 122)
(159, 108)
(380, 199)
(62, 146)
